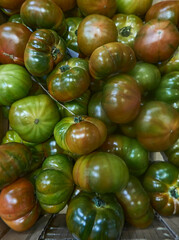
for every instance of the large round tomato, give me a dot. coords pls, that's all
(13, 40)
(156, 41)
(100, 172)
(172, 153)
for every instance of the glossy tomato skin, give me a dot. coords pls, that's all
(14, 4)
(54, 184)
(121, 98)
(13, 40)
(100, 172)
(80, 135)
(130, 150)
(51, 147)
(172, 153)
(106, 8)
(69, 80)
(136, 204)
(156, 41)
(15, 159)
(43, 14)
(102, 217)
(128, 26)
(168, 89)
(18, 206)
(165, 10)
(157, 126)
(15, 83)
(110, 59)
(94, 31)
(34, 118)
(66, 5)
(44, 50)
(161, 181)
(133, 6)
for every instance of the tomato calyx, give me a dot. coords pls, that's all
(125, 31)
(174, 193)
(55, 51)
(98, 202)
(36, 121)
(64, 68)
(78, 119)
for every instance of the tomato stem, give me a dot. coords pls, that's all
(64, 68)
(55, 51)
(125, 31)
(78, 119)
(174, 193)
(98, 202)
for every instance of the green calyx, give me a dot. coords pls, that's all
(78, 119)
(125, 31)
(64, 68)
(98, 202)
(55, 51)
(174, 192)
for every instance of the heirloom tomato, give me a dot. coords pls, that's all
(94, 31)
(156, 41)
(66, 5)
(69, 80)
(15, 83)
(50, 147)
(80, 135)
(13, 4)
(18, 207)
(110, 59)
(161, 181)
(157, 126)
(34, 118)
(172, 153)
(136, 204)
(54, 183)
(13, 40)
(130, 150)
(100, 172)
(128, 27)
(95, 217)
(121, 98)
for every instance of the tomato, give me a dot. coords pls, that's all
(13, 40)
(69, 80)
(168, 89)
(146, 75)
(103, 7)
(102, 217)
(110, 59)
(34, 118)
(13, 4)
(100, 172)
(44, 50)
(15, 83)
(71, 34)
(18, 206)
(50, 147)
(94, 31)
(133, 6)
(66, 5)
(96, 110)
(136, 204)
(15, 161)
(128, 129)
(128, 27)
(130, 150)
(121, 98)
(157, 126)
(156, 41)
(161, 181)
(168, 10)
(80, 135)
(43, 14)
(172, 153)
(54, 184)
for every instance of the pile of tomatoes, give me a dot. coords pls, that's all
(89, 88)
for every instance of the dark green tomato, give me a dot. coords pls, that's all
(128, 27)
(161, 181)
(128, 129)
(71, 34)
(96, 110)
(15, 83)
(43, 14)
(168, 89)
(15, 161)
(51, 147)
(78, 106)
(100, 172)
(95, 217)
(170, 65)
(121, 98)
(157, 126)
(34, 118)
(146, 75)
(54, 184)
(173, 153)
(136, 204)
(69, 80)
(110, 59)
(44, 50)
(130, 150)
